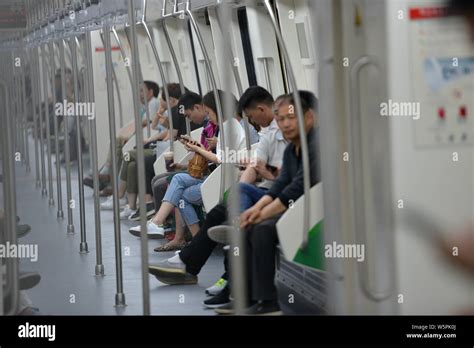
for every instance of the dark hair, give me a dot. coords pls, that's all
(254, 95)
(189, 99)
(153, 86)
(210, 101)
(308, 100)
(460, 7)
(174, 91)
(240, 112)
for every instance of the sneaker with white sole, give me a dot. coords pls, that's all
(150, 211)
(126, 212)
(109, 203)
(221, 234)
(218, 286)
(153, 230)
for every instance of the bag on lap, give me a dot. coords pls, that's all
(197, 166)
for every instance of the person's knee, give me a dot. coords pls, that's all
(244, 187)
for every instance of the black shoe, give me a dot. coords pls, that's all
(103, 181)
(169, 275)
(29, 280)
(226, 309)
(229, 308)
(150, 211)
(219, 300)
(265, 308)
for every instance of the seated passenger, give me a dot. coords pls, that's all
(259, 220)
(129, 171)
(184, 190)
(257, 104)
(191, 104)
(150, 91)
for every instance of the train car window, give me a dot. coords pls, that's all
(247, 47)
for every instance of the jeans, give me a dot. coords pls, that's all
(249, 195)
(183, 192)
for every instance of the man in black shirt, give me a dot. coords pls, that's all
(260, 220)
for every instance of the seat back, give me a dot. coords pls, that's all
(290, 231)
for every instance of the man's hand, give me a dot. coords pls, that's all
(261, 169)
(250, 217)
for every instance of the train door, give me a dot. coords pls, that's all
(377, 171)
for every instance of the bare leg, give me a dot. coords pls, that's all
(194, 228)
(132, 200)
(165, 210)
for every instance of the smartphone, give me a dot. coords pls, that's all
(272, 169)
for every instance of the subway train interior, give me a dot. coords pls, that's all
(293, 157)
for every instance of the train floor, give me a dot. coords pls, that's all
(69, 285)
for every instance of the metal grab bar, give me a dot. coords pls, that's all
(142, 88)
(35, 111)
(83, 248)
(178, 70)
(267, 73)
(165, 85)
(140, 158)
(300, 116)
(230, 58)
(60, 213)
(67, 154)
(122, 53)
(357, 180)
(25, 112)
(220, 114)
(117, 88)
(9, 202)
(48, 130)
(129, 73)
(119, 296)
(89, 82)
(44, 191)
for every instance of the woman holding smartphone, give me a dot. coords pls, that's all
(184, 190)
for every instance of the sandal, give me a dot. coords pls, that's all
(169, 247)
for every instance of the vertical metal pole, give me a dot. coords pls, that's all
(230, 59)
(140, 158)
(82, 207)
(48, 131)
(117, 87)
(25, 111)
(44, 191)
(67, 153)
(60, 213)
(34, 104)
(9, 200)
(300, 115)
(165, 82)
(178, 70)
(119, 296)
(220, 115)
(142, 88)
(99, 267)
(237, 263)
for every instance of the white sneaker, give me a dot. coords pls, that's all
(126, 212)
(109, 203)
(153, 230)
(217, 287)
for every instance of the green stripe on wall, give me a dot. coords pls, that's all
(313, 255)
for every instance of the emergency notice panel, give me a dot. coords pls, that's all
(443, 77)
